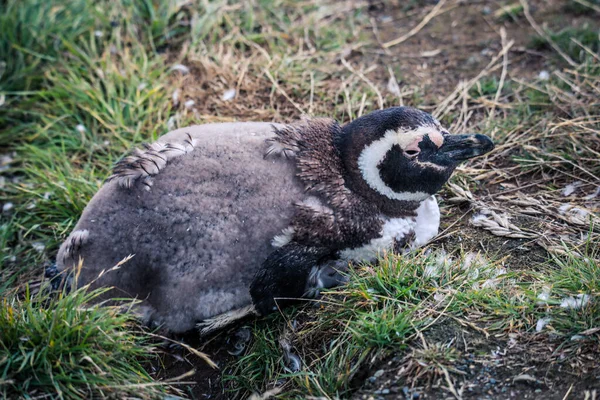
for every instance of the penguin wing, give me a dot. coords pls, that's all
(284, 275)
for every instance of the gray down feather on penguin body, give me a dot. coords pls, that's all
(198, 211)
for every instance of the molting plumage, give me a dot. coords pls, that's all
(224, 219)
(147, 162)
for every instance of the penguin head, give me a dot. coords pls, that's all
(403, 154)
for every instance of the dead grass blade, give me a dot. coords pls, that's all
(543, 34)
(192, 350)
(437, 10)
(366, 80)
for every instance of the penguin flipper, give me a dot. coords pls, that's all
(292, 272)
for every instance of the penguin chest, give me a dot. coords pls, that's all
(400, 233)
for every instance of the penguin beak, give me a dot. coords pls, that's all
(462, 147)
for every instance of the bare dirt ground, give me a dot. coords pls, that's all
(452, 47)
(490, 368)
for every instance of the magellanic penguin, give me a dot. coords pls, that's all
(224, 219)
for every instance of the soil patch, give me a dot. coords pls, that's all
(487, 368)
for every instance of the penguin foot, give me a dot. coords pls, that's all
(50, 270)
(59, 281)
(293, 363)
(325, 276)
(238, 341)
(52, 274)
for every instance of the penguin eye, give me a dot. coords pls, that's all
(412, 153)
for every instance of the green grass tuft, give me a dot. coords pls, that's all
(510, 12)
(586, 35)
(63, 347)
(573, 279)
(381, 309)
(34, 33)
(577, 8)
(386, 307)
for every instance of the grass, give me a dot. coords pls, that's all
(567, 39)
(83, 86)
(580, 7)
(61, 347)
(386, 309)
(510, 12)
(575, 277)
(34, 33)
(82, 82)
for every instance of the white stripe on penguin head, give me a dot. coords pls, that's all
(375, 153)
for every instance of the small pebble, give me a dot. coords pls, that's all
(280, 382)
(544, 75)
(6, 159)
(38, 246)
(172, 123)
(492, 381)
(181, 68)
(538, 390)
(7, 207)
(228, 95)
(295, 363)
(378, 373)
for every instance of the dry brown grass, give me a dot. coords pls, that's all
(544, 172)
(282, 76)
